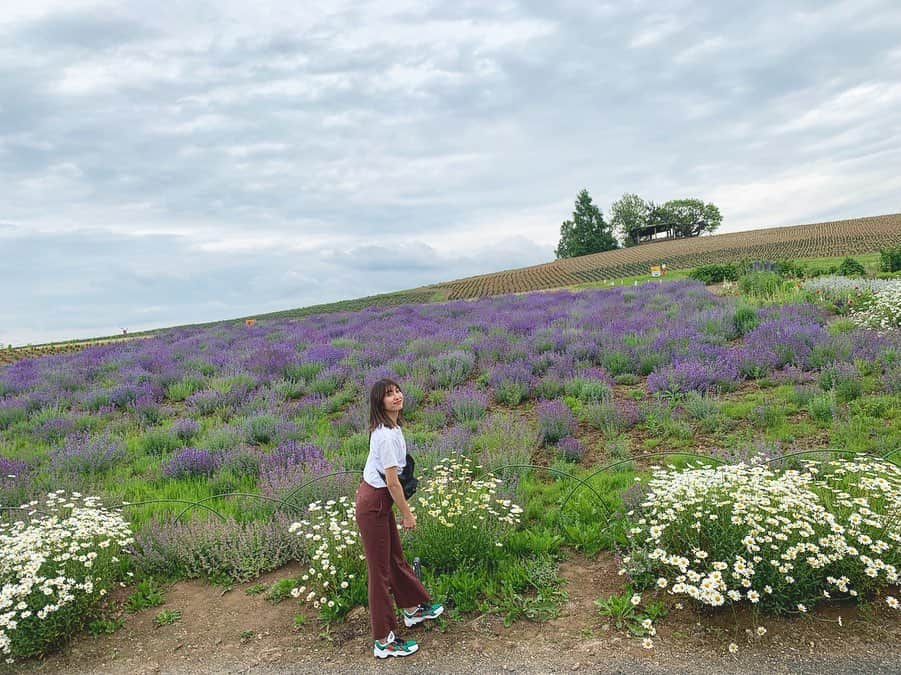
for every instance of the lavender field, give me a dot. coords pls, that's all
(242, 418)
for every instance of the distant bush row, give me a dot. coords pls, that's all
(890, 265)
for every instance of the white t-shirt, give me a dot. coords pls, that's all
(387, 448)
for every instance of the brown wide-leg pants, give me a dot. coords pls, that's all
(389, 571)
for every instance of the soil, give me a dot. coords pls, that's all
(233, 632)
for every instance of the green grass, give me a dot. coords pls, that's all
(671, 275)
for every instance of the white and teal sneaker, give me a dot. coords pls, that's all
(422, 613)
(394, 646)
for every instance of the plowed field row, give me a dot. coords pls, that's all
(816, 240)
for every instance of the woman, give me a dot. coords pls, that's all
(380, 488)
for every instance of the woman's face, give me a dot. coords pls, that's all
(394, 399)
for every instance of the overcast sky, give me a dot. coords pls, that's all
(165, 163)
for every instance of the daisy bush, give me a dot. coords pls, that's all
(56, 565)
(780, 540)
(845, 294)
(460, 518)
(883, 312)
(336, 579)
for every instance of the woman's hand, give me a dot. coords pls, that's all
(409, 521)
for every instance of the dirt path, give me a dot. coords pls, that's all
(233, 632)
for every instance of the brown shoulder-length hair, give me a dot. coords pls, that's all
(377, 413)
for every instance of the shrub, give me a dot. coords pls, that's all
(691, 375)
(185, 429)
(326, 383)
(844, 379)
(11, 412)
(503, 439)
(158, 442)
(822, 407)
(790, 269)
(617, 363)
(181, 390)
(555, 421)
(510, 383)
(303, 371)
(262, 429)
(779, 540)
(610, 417)
(55, 569)
(468, 404)
(890, 259)
(452, 368)
(290, 389)
(883, 312)
(851, 267)
(706, 410)
(293, 464)
(205, 402)
(222, 552)
(570, 449)
(548, 387)
(191, 462)
(744, 320)
(760, 284)
(12, 471)
(336, 580)
(460, 520)
(83, 454)
(627, 379)
(588, 389)
(714, 273)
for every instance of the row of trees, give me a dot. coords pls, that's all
(632, 219)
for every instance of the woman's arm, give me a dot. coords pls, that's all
(408, 520)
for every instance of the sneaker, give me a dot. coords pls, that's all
(422, 613)
(394, 646)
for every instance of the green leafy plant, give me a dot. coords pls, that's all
(623, 610)
(167, 617)
(146, 594)
(256, 589)
(280, 590)
(105, 626)
(760, 284)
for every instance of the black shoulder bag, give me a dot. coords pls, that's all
(408, 481)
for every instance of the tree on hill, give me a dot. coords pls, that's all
(628, 216)
(689, 217)
(586, 232)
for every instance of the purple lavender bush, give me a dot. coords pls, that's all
(290, 465)
(511, 383)
(219, 551)
(84, 454)
(11, 412)
(453, 368)
(555, 421)
(185, 429)
(570, 449)
(691, 375)
(242, 460)
(467, 404)
(191, 462)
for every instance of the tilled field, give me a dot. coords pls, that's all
(836, 238)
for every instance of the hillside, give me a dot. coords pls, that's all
(834, 238)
